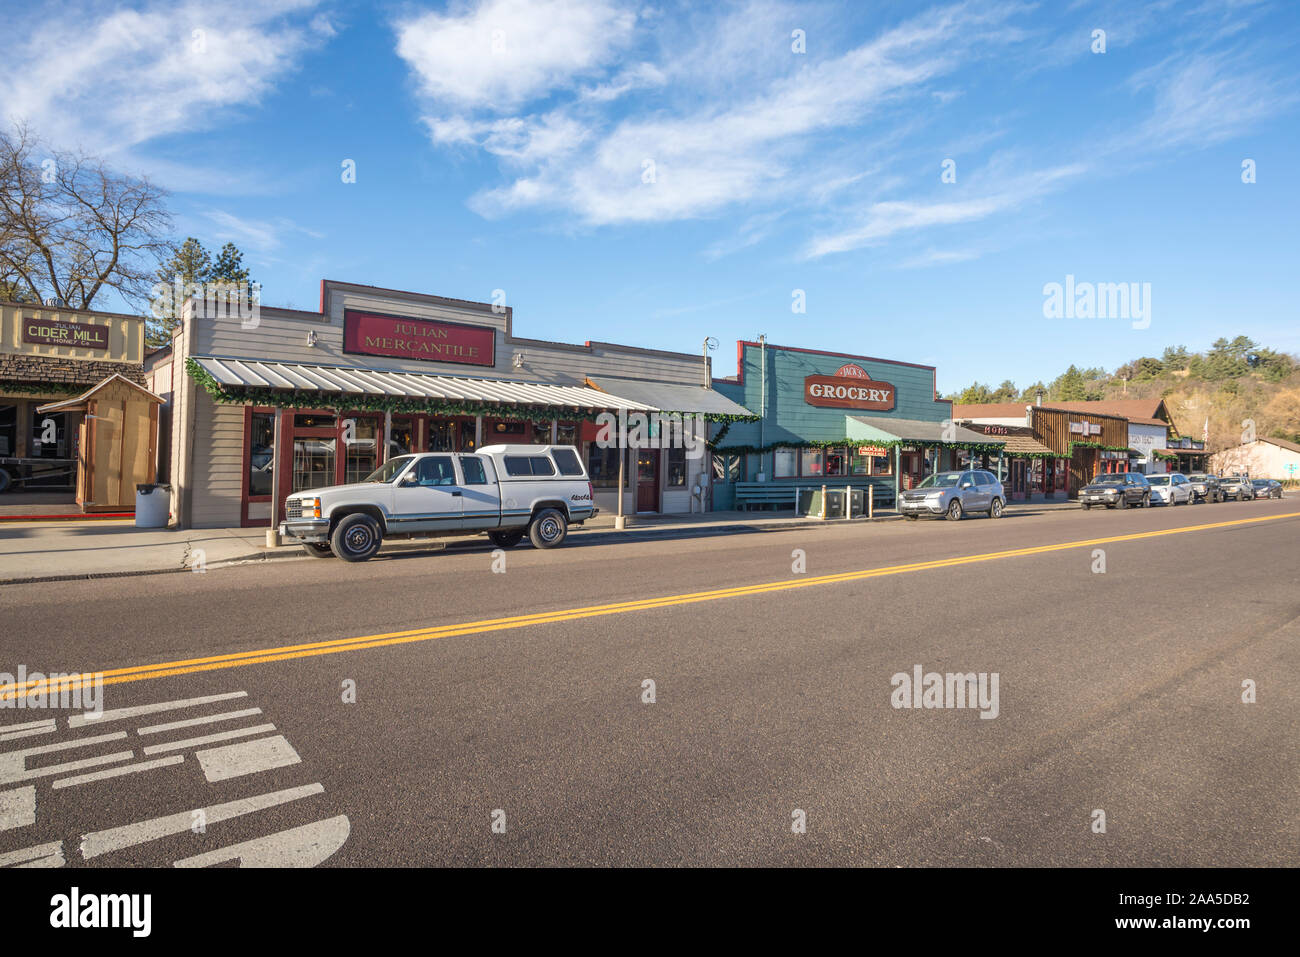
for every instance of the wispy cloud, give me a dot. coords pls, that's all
(112, 78)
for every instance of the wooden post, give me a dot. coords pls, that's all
(388, 437)
(848, 501)
(478, 432)
(871, 499)
(620, 521)
(823, 512)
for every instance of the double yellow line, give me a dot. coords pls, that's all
(265, 656)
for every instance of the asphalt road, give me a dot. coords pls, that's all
(1118, 691)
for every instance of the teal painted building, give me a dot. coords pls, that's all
(830, 418)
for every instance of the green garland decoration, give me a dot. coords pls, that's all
(23, 387)
(1096, 445)
(294, 399)
(853, 443)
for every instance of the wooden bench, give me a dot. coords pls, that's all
(766, 493)
(784, 496)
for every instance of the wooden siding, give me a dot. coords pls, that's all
(790, 419)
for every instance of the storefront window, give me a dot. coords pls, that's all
(836, 462)
(676, 468)
(1036, 475)
(1060, 475)
(361, 449)
(719, 468)
(442, 435)
(602, 467)
(261, 441)
(313, 463)
(468, 430)
(811, 463)
(401, 440)
(8, 430)
(49, 436)
(566, 433)
(784, 464)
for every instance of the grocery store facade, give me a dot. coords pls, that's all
(288, 400)
(833, 419)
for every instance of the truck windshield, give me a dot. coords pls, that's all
(388, 471)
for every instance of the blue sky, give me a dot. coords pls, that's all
(506, 144)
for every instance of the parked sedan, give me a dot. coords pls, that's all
(1116, 490)
(1236, 487)
(1267, 488)
(1205, 487)
(952, 494)
(1170, 489)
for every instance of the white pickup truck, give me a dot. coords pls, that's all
(507, 491)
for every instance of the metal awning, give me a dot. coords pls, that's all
(670, 396)
(237, 374)
(914, 430)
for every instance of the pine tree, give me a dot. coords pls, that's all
(190, 263)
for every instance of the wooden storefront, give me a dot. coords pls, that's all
(1092, 443)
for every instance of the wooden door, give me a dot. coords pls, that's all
(647, 480)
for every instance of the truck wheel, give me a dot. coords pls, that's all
(317, 550)
(548, 528)
(356, 538)
(5, 481)
(506, 539)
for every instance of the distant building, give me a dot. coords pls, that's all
(1263, 458)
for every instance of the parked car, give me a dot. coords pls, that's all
(1205, 487)
(1171, 488)
(507, 491)
(1267, 488)
(1237, 487)
(1116, 490)
(952, 494)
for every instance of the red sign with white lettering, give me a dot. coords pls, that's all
(851, 391)
(372, 334)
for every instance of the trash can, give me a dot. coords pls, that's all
(153, 505)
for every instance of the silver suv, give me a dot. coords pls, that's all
(953, 494)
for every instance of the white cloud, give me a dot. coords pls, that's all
(885, 219)
(112, 79)
(734, 116)
(502, 53)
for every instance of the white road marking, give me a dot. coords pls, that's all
(81, 720)
(191, 722)
(247, 757)
(128, 835)
(17, 807)
(13, 764)
(208, 739)
(12, 735)
(304, 846)
(116, 772)
(26, 729)
(42, 855)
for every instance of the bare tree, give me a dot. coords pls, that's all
(72, 228)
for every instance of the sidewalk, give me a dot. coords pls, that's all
(62, 550)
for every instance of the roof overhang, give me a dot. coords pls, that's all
(671, 396)
(333, 383)
(913, 430)
(79, 403)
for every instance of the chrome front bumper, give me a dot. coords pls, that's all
(306, 529)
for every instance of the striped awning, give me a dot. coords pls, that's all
(235, 374)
